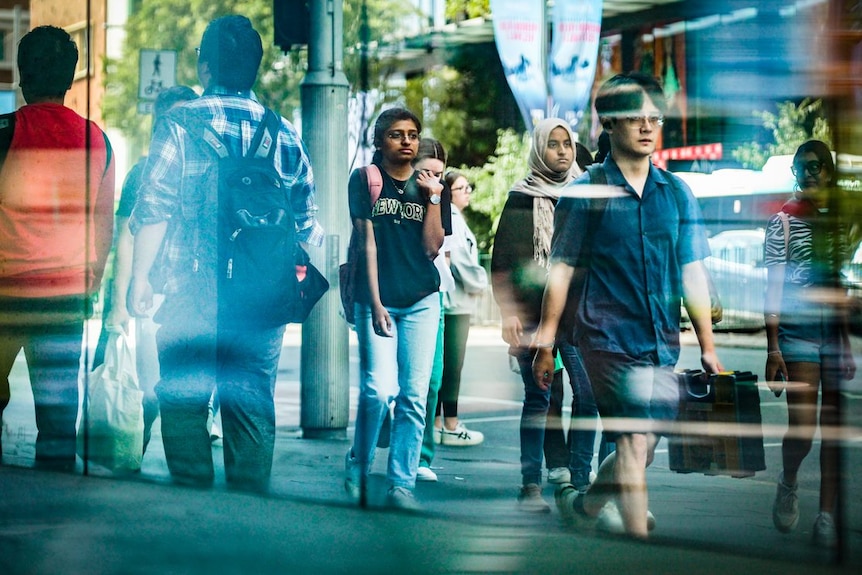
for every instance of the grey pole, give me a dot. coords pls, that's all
(324, 370)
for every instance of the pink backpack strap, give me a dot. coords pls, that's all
(375, 182)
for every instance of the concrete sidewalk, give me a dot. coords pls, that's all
(58, 523)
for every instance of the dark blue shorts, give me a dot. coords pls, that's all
(634, 389)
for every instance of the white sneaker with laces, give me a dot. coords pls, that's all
(425, 474)
(461, 436)
(785, 510)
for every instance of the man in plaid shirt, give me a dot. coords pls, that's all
(195, 356)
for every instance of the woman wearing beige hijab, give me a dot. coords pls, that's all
(519, 268)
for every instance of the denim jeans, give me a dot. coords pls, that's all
(242, 365)
(575, 449)
(50, 331)
(533, 418)
(398, 368)
(429, 448)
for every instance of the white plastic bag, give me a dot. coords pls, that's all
(111, 433)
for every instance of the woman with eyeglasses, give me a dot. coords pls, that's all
(808, 345)
(397, 310)
(458, 305)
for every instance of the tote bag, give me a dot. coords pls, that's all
(111, 433)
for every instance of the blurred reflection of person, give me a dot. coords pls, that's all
(56, 221)
(646, 252)
(808, 340)
(115, 313)
(519, 268)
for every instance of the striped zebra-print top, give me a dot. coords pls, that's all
(799, 255)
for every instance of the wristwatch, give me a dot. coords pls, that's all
(434, 199)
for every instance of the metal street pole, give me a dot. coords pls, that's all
(324, 370)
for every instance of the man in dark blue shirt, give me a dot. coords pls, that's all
(646, 245)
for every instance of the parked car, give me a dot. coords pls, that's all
(737, 270)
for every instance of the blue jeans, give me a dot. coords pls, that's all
(429, 448)
(50, 331)
(533, 418)
(574, 450)
(398, 368)
(242, 366)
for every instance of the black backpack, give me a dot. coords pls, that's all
(242, 230)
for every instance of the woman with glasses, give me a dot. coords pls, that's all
(807, 332)
(397, 310)
(458, 304)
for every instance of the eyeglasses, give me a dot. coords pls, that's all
(398, 135)
(468, 188)
(654, 120)
(813, 167)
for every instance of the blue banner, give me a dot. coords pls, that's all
(519, 31)
(577, 26)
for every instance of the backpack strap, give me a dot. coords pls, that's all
(374, 179)
(7, 130)
(785, 223)
(262, 145)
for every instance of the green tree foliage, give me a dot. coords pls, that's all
(790, 126)
(492, 182)
(462, 9)
(178, 25)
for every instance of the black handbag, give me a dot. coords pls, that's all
(312, 286)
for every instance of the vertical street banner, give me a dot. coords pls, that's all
(577, 26)
(519, 32)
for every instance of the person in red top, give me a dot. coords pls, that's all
(56, 223)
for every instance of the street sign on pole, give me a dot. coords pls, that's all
(157, 71)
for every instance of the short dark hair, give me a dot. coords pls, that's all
(170, 97)
(625, 93)
(583, 157)
(430, 148)
(389, 117)
(233, 50)
(47, 57)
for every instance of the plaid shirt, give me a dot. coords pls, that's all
(173, 166)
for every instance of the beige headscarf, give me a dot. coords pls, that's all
(545, 186)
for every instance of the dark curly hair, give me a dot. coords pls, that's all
(47, 57)
(233, 50)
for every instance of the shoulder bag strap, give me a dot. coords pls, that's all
(785, 223)
(7, 130)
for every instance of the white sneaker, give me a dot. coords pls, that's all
(402, 499)
(559, 475)
(461, 437)
(785, 509)
(824, 534)
(610, 520)
(425, 474)
(438, 435)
